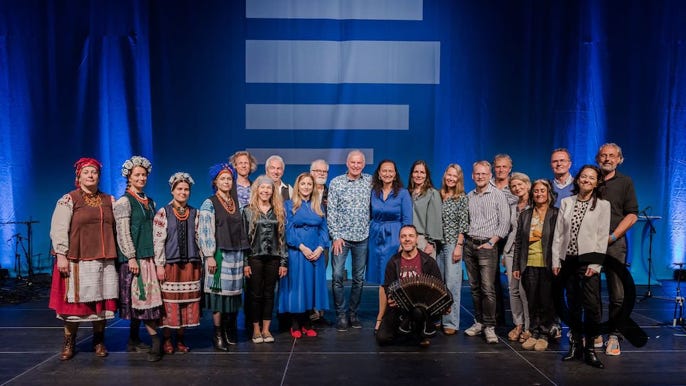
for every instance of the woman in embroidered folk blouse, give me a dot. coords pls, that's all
(455, 216)
(265, 223)
(84, 285)
(140, 298)
(223, 243)
(176, 249)
(426, 209)
(307, 236)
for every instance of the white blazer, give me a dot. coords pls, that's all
(593, 232)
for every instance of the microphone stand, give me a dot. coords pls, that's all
(648, 293)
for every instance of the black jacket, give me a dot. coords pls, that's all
(521, 244)
(264, 236)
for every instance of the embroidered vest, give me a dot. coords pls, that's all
(91, 232)
(141, 228)
(180, 246)
(229, 231)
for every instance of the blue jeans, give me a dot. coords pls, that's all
(481, 267)
(358, 252)
(452, 275)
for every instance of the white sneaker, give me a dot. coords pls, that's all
(491, 337)
(613, 346)
(475, 329)
(598, 342)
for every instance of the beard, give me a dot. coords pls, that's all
(320, 180)
(608, 168)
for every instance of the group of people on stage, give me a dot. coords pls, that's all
(156, 265)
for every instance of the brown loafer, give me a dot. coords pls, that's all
(513, 335)
(525, 335)
(449, 331)
(100, 350)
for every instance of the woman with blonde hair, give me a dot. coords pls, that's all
(520, 187)
(265, 221)
(455, 219)
(307, 236)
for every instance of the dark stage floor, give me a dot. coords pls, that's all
(31, 338)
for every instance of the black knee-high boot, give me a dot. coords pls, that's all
(135, 344)
(218, 340)
(155, 353)
(230, 327)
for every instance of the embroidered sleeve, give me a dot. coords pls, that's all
(206, 229)
(159, 237)
(197, 234)
(60, 223)
(122, 217)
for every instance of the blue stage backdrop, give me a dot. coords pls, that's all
(186, 83)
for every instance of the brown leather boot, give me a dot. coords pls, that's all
(68, 349)
(99, 340)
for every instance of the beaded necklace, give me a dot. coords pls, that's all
(229, 206)
(181, 213)
(142, 200)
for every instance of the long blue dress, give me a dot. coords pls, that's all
(304, 287)
(388, 216)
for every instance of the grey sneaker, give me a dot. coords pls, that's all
(491, 337)
(475, 329)
(342, 324)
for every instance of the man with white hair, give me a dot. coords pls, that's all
(319, 170)
(348, 220)
(274, 168)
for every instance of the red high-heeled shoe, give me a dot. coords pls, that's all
(309, 332)
(296, 334)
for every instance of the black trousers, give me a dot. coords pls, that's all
(583, 300)
(538, 286)
(395, 318)
(261, 286)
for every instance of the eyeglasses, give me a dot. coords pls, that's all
(319, 171)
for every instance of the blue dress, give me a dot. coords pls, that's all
(304, 287)
(387, 218)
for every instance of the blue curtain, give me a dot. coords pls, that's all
(439, 80)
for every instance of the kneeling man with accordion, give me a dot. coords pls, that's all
(415, 292)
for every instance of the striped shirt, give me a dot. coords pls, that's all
(348, 207)
(489, 214)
